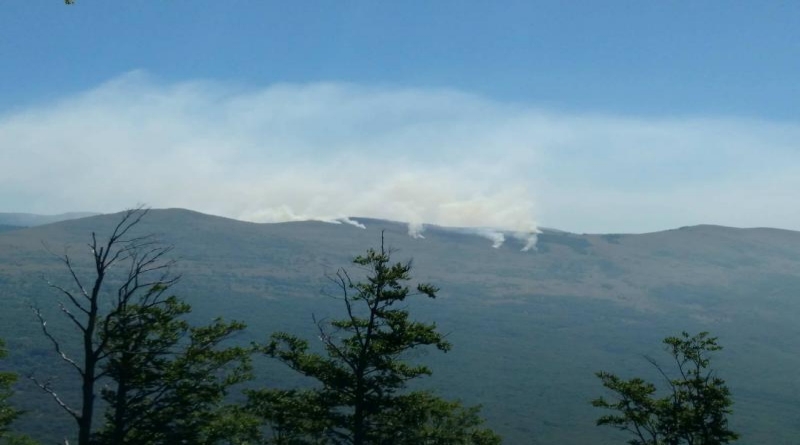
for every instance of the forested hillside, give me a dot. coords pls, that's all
(528, 329)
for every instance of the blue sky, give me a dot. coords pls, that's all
(587, 116)
(726, 57)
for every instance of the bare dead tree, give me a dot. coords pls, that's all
(143, 266)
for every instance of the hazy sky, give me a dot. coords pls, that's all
(584, 116)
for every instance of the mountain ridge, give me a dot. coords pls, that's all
(8, 218)
(35, 219)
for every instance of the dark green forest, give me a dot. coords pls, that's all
(364, 350)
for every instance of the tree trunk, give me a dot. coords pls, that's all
(87, 409)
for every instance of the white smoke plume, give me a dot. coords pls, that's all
(352, 222)
(415, 230)
(498, 237)
(530, 239)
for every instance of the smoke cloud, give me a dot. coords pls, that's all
(332, 151)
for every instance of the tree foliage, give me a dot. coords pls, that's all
(163, 380)
(170, 379)
(362, 398)
(7, 413)
(694, 410)
(135, 264)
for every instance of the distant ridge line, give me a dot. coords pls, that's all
(32, 219)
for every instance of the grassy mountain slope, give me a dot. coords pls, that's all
(529, 328)
(8, 227)
(31, 219)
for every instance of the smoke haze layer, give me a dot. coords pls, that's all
(328, 151)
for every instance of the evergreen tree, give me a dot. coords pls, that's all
(362, 398)
(7, 413)
(693, 412)
(169, 379)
